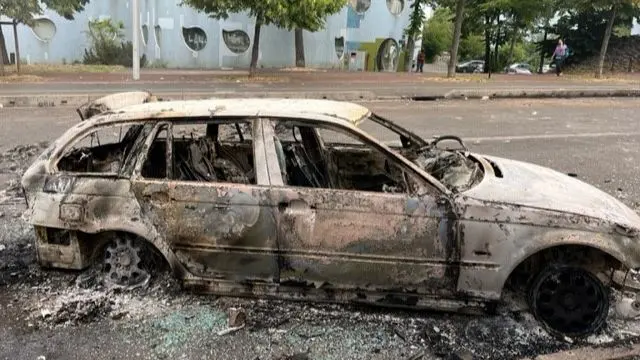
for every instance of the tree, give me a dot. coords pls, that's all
(587, 29)
(288, 14)
(614, 7)
(299, 44)
(438, 33)
(416, 22)
(23, 11)
(457, 30)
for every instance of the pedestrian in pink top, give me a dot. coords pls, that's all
(559, 54)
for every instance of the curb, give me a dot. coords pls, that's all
(539, 93)
(77, 100)
(352, 96)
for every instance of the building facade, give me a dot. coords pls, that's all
(365, 35)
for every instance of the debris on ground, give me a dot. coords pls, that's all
(237, 317)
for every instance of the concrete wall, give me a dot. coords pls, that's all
(167, 28)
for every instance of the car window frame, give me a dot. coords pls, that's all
(84, 132)
(255, 139)
(433, 186)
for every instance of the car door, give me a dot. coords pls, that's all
(371, 241)
(217, 228)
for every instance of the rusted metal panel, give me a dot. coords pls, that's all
(362, 240)
(216, 230)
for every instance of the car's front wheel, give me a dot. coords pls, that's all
(569, 300)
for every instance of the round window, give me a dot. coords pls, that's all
(360, 6)
(194, 37)
(387, 58)
(237, 41)
(395, 6)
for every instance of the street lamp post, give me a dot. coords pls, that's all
(135, 17)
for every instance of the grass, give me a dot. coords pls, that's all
(69, 68)
(457, 78)
(256, 78)
(15, 78)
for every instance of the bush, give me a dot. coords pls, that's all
(438, 34)
(107, 46)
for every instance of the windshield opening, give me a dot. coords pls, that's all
(390, 133)
(454, 168)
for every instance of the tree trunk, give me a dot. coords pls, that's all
(542, 51)
(514, 36)
(496, 53)
(4, 56)
(453, 60)
(299, 39)
(605, 41)
(408, 59)
(3, 50)
(256, 47)
(487, 43)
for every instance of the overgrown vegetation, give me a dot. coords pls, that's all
(503, 32)
(107, 46)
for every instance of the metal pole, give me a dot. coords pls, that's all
(15, 40)
(135, 17)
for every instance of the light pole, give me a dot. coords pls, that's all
(135, 17)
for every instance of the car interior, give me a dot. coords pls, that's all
(90, 155)
(310, 161)
(210, 155)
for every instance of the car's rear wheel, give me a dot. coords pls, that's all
(124, 262)
(569, 300)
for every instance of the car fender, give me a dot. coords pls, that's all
(488, 260)
(89, 207)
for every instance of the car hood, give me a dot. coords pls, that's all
(534, 186)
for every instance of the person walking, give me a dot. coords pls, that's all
(420, 64)
(559, 55)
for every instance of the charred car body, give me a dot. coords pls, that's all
(293, 199)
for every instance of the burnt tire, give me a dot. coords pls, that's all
(569, 300)
(126, 262)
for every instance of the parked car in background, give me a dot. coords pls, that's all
(473, 66)
(519, 69)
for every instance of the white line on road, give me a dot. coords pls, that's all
(469, 139)
(550, 136)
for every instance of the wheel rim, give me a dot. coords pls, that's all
(570, 301)
(123, 263)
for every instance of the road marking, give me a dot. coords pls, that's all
(550, 136)
(469, 139)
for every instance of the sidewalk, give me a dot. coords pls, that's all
(54, 89)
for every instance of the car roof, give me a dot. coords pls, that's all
(324, 110)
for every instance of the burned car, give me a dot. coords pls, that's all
(294, 199)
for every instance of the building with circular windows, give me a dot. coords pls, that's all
(366, 35)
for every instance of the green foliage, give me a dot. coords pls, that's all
(25, 10)
(416, 19)
(437, 34)
(471, 47)
(289, 14)
(583, 31)
(107, 45)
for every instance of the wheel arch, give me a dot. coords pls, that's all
(534, 262)
(157, 242)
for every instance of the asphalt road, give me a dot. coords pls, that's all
(595, 139)
(206, 88)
